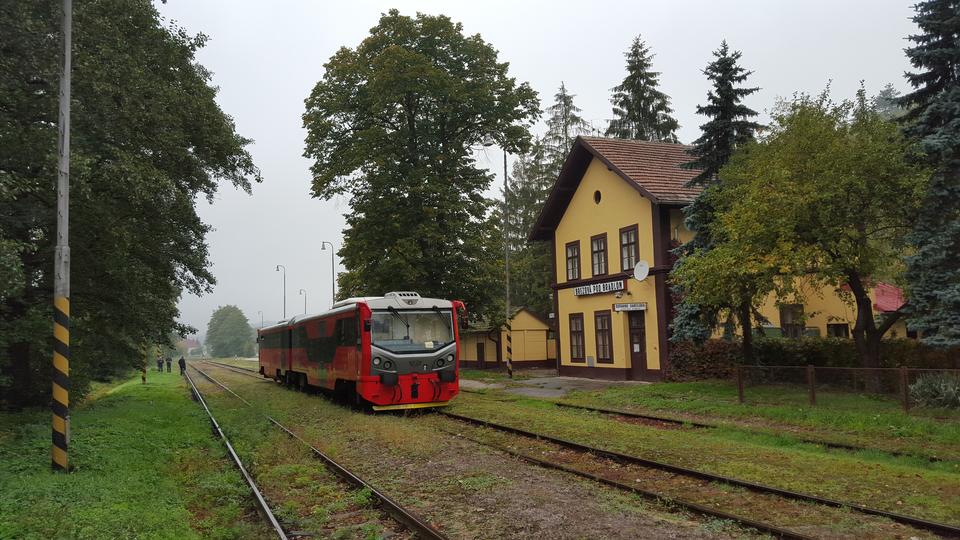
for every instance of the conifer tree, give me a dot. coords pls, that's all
(934, 269)
(640, 109)
(730, 126)
(564, 123)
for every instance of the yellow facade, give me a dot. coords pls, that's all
(620, 206)
(532, 342)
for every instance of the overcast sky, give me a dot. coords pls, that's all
(266, 57)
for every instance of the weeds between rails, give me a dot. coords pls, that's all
(939, 528)
(262, 505)
(403, 516)
(920, 523)
(774, 530)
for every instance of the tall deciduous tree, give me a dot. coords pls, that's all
(934, 119)
(147, 139)
(640, 109)
(392, 124)
(229, 333)
(730, 126)
(826, 199)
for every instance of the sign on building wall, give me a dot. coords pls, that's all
(636, 306)
(597, 288)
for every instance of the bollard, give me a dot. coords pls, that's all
(812, 383)
(740, 384)
(905, 388)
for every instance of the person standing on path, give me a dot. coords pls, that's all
(169, 363)
(159, 363)
(183, 365)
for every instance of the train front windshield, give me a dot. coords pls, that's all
(408, 331)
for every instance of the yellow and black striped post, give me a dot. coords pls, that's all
(509, 350)
(60, 403)
(61, 381)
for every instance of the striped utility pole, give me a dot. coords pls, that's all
(506, 263)
(61, 278)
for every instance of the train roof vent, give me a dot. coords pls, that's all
(407, 297)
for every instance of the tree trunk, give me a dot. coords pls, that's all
(866, 335)
(747, 327)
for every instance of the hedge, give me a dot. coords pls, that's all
(717, 358)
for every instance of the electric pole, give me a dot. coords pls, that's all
(506, 261)
(60, 404)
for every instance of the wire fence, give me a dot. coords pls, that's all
(881, 381)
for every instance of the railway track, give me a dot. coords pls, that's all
(405, 517)
(944, 529)
(262, 505)
(702, 425)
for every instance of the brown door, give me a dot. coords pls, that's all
(481, 358)
(638, 345)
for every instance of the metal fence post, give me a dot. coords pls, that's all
(739, 374)
(812, 383)
(905, 388)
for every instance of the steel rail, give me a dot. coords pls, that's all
(939, 528)
(245, 371)
(261, 502)
(778, 532)
(668, 420)
(403, 516)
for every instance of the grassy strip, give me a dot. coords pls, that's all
(838, 416)
(930, 492)
(146, 466)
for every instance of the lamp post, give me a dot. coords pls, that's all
(279, 266)
(303, 293)
(261, 319)
(333, 271)
(506, 263)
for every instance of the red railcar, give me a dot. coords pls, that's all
(398, 351)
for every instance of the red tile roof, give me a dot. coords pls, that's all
(889, 298)
(652, 166)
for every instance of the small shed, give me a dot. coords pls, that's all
(533, 339)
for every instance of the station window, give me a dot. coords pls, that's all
(598, 252)
(604, 337)
(791, 320)
(576, 338)
(841, 330)
(629, 248)
(573, 260)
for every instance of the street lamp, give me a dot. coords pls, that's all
(303, 293)
(333, 271)
(490, 141)
(279, 266)
(261, 319)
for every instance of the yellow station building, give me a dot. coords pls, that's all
(618, 202)
(534, 344)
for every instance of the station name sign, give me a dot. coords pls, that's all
(636, 306)
(597, 288)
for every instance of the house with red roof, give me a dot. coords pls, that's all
(618, 204)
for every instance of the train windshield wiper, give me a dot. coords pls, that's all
(446, 320)
(393, 311)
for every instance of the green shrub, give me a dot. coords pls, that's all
(937, 390)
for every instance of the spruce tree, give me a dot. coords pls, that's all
(933, 272)
(640, 109)
(564, 123)
(729, 127)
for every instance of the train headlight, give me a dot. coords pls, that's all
(376, 361)
(388, 364)
(450, 358)
(439, 362)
